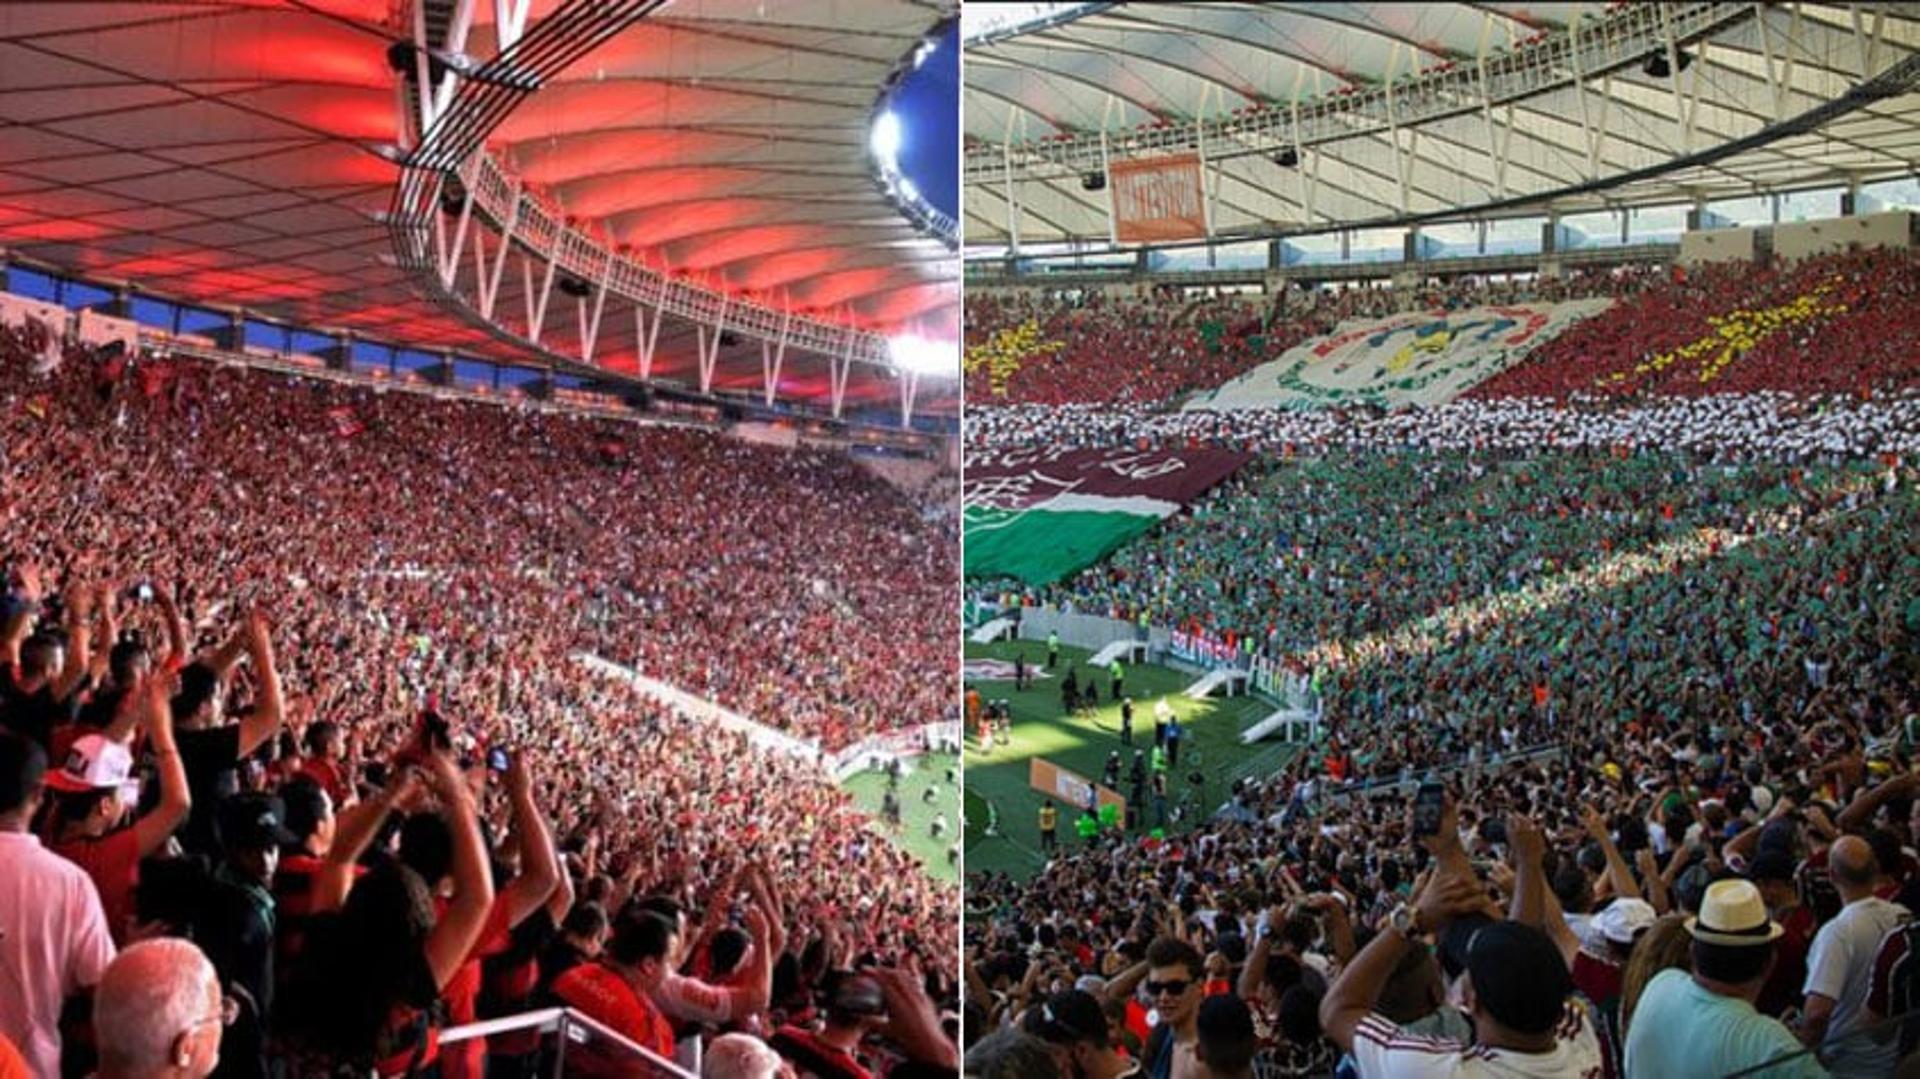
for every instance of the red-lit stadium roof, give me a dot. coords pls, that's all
(244, 154)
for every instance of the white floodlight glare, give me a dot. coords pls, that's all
(908, 190)
(886, 139)
(911, 352)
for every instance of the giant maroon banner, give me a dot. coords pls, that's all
(1156, 199)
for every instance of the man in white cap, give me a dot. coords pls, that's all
(159, 1012)
(94, 792)
(1702, 1021)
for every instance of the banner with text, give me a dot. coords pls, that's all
(1157, 199)
(1039, 514)
(1072, 791)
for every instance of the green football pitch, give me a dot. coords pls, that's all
(996, 782)
(928, 771)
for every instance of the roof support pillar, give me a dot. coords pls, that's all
(837, 372)
(451, 263)
(1106, 170)
(590, 329)
(710, 346)
(510, 21)
(909, 389)
(456, 42)
(490, 286)
(1012, 192)
(772, 356)
(537, 313)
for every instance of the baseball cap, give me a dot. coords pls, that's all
(1063, 1018)
(1519, 975)
(1771, 865)
(254, 822)
(94, 763)
(1624, 919)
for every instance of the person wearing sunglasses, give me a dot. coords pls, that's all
(1174, 973)
(159, 1012)
(1075, 1026)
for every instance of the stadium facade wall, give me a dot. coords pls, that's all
(1805, 238)
(1719, 245)
(1089, 631)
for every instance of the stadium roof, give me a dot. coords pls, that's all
(247, 154)
(1311, 116)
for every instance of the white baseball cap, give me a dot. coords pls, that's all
(95, 763)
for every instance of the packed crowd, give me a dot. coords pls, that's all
(1834, 324)
(1619, 762)
(1759, 426)
(1647, 689)
(1151, 345)
(292, 683)
(1840, 324)
(1096, 345)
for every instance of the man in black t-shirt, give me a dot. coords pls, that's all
(211, 749)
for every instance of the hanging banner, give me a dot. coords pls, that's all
(1156, 199)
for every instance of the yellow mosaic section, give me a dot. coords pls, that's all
(1736, 333)
(1003, 354)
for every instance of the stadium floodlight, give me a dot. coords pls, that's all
(886, 140)
(909, 190)
(911, 352)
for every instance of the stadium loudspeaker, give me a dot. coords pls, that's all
(1093, 181)
(400, 57)
(1657, 66)
(573, 286)
(1288, 158)
(728, 338)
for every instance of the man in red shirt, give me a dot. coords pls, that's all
(617, 991)
(93, 791)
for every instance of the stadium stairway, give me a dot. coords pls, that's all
(1296, 725)
(993, 630)
(1235, 680)
(1131, 651)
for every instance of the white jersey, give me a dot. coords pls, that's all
(1381, 1048)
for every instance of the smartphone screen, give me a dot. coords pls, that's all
(1427, 805)
(497, 759)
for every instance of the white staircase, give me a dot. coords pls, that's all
(1234, 680)
(1131, 651)
(994, 630)
(1294, 725)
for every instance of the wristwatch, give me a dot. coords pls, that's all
(1405, 920)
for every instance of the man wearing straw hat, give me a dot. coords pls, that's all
(1702, 1021)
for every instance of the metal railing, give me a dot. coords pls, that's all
(563, 1042)
(1619, 40)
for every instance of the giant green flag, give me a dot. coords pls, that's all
(1040, 515)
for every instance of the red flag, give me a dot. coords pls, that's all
(345, 423)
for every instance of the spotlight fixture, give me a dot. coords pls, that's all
(1288, 157)
(573, 286)
(1093, 181)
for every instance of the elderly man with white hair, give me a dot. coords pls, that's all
(743, 1056)
(159, 1012)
